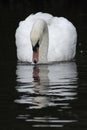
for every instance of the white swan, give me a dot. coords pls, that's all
(43, 38)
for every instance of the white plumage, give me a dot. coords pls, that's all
(62, 38)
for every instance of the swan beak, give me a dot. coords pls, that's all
(35, 55)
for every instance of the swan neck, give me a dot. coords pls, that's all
(44, 43)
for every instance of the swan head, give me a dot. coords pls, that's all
(38, 40)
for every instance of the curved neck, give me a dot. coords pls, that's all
(44, 43)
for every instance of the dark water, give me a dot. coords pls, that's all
(51, 96)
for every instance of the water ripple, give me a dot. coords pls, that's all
(49, 89)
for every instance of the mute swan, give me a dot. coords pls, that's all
(42, 38)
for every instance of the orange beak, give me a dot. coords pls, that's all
(35, 55)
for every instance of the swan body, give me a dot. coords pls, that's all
(56, 38)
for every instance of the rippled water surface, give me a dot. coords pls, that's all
(51, 96)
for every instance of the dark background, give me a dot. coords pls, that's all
(13, 11)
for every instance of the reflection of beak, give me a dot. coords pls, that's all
(35, 55)
(36, 74)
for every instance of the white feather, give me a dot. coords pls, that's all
(62, 38)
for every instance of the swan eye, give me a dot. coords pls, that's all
(36, 46)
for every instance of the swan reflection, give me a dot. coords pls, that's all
(50, 87)
(40, 86)
(33, 81)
